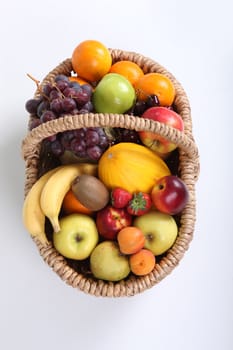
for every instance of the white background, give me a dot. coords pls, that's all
(190, 309)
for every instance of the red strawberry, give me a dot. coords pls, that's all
(120, 198)
(139, 204)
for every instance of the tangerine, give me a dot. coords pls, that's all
(128, 69)
(79, 80)
(71, 205)
(91, 60)
(155, 84)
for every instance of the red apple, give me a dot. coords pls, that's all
(170, 195)
(110, 221)
(155, 141)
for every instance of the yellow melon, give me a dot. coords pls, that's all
(132, 167)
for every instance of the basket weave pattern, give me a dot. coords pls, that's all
(188, 172)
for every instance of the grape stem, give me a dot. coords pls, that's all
(54, 85)
(37, 85)
(35, 80)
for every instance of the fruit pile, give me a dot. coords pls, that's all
(113, 200)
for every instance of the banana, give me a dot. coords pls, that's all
(58, 185)
(33, 216)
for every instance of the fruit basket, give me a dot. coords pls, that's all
(184, 163)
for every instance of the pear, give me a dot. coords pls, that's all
(108, 263)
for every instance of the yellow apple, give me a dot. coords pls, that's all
(77, 237)
(160, 231)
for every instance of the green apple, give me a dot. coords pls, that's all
(77, 237)
(159, 229)
(108, 263)
(113, 94)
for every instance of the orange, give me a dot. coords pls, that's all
(155, 84)
(91, 60)
(130, 240)
(72, 205)
(79, 80)
(142, 262)
(128, 69)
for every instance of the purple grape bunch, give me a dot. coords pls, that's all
(87, 143)
(141, 106)
(127, 135)
(59, 98)
(67, 97)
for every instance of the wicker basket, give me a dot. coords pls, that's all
(188, 170)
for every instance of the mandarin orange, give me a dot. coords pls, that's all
(155, 84)
(91, 60)
(128, 69)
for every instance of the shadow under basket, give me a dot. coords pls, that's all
(185, 161)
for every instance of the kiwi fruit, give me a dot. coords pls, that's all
(90, 191)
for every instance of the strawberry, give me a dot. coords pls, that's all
(139, 204)
(120, 198)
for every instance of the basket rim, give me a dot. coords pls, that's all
(71, 122)
(147, 65)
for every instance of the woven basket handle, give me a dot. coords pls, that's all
(31, 143)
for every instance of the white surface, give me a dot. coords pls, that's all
(190, 309)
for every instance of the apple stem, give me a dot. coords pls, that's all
(149, 236)
(78, 238)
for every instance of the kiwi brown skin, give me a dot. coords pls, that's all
(90, 191)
